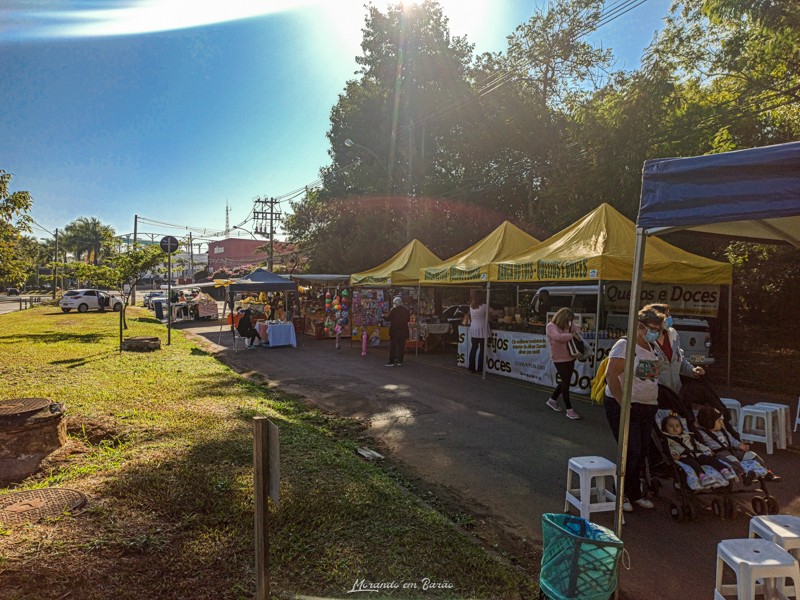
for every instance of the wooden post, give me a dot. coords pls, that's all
(261, 482)
(266, 479)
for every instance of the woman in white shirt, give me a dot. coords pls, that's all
(644, 400)
(478, 330)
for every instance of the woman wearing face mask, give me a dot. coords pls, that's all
(644, 400)
(673, 360)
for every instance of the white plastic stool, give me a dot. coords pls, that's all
(797, 418)
(783, 430)
(734, 408)
(588, 468)
(756, 425)
(753, 559)
(784, 530)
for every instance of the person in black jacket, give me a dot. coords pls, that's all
(398, 332)
(246, 330)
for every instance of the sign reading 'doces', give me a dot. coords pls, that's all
(169, 244)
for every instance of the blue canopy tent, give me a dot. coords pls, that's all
(752, 194)
(260, 280)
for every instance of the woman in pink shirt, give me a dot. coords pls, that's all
(560, 330)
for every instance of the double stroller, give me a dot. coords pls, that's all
(716, 492)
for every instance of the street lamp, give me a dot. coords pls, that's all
(389, 184)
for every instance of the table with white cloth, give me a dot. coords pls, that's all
(277, 334)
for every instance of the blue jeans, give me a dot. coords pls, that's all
(642, 421)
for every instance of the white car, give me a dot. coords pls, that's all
(83, 300)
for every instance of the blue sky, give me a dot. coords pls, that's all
(170, 108)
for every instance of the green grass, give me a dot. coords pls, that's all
(161, 443)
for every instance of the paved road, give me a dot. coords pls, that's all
(497, 445)
(10, 303)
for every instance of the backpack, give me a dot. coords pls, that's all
(599, 381)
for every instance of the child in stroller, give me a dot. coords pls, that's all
(685, 448)
(725, 445)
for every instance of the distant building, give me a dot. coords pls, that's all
(233, 253)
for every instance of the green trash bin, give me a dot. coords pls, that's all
(579, 559)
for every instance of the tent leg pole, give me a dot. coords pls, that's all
(488, 333)
(596, 358)
(730, 332)
(627, 379)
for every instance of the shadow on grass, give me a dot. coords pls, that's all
(57, 336)
(142, 320)
(71, 363)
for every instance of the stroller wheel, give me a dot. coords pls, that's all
(676, 512)
(759, 505)
(716, 508)
(773, 507)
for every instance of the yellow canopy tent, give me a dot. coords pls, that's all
(472, 265)
(402, 269)
(600, 246)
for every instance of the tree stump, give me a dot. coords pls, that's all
(141, 344)
(28, 436)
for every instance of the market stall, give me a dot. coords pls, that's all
(313, 310)
(373, 291)
(471, 268)
(246, 293)
(598, 249)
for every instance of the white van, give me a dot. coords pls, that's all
(694, 332)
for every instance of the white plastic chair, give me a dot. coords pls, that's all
(588, 468)
(797, 418)
(753, 560)
(756, 426)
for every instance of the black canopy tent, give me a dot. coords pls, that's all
(752, 193)
(260, 280)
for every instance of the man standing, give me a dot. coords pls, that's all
(398, 332)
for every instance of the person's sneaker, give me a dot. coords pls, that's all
(626, 505)
(571, 414)
(554, 405)
(728, 474)
(749, 478)
(644, 503)
(398, 364)
(770, 476)
(705, 480)
(390, 364)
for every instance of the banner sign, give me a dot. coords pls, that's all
(526, 356)
(688, 300)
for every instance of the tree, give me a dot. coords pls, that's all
(14, 221)
(129, 267)
(401, 111)
(121, 274)
(88, 239)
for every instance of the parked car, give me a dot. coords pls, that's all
(148, 298)
(454, 315)
(12, 292)
(83, 300)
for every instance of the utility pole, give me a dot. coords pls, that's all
(55, 267)
(135, 231)
(265, 218)
(191, 257)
